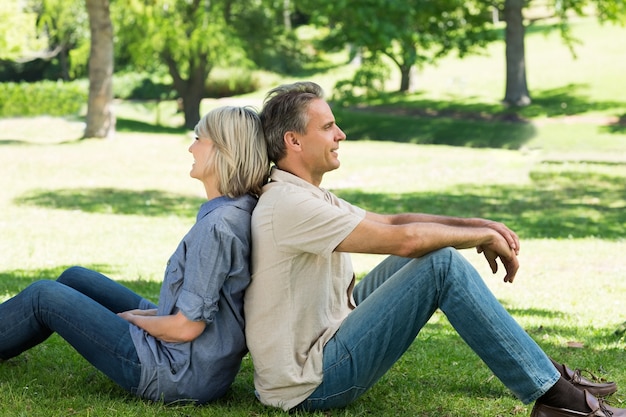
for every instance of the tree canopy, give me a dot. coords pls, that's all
(410, 33)
(189, 38)
(18, 33)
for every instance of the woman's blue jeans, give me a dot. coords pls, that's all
(396, 299)
(80, 306)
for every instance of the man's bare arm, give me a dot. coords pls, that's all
(406, 218)
(419, 238)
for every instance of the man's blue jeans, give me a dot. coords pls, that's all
(396, 299)
(81, 307)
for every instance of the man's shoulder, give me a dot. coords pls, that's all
(284, 191)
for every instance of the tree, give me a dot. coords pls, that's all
(100, 116)
(267, 32)
(516, 91)
(66, 25)
(411, 33)
(189, 37)
(192, 37)
(18, 35)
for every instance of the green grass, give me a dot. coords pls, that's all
(458, 102)
(121, 207)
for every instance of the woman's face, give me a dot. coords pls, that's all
(202, 149)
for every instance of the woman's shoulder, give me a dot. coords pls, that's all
(232, 216)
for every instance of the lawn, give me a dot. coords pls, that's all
(121, 206)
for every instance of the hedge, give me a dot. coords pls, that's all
(42, 98)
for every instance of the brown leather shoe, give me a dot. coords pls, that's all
(598, 409)
(598, 389)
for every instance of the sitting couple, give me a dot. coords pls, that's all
(317, 338)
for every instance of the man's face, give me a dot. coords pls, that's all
(320, 143)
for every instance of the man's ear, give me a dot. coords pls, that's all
(292, 141)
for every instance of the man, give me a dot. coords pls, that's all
(318, 341)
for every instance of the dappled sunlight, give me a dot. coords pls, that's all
(114, 201)
(452, 127)
(14, 281)
(561, 201)
(569, 100)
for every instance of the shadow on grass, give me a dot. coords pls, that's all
(12, 282)
(412, 119)
(114, 201)
(410, 125)
(618, 127)
(566, 101)
(129, 125)
(24, 142)
(4, 142)
(556, 205)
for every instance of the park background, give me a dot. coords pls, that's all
(554, 171)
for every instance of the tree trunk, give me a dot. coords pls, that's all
(100, 117)
(191, 109)
(405, 78)
(287, 15)
(64, 63)
(516, 89)
(191, 91)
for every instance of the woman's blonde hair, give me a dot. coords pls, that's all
(240, 153)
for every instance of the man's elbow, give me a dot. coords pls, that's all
(412, 247)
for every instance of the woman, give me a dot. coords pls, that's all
(188, 347)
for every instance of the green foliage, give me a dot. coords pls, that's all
(186, 33)
(367, 83)
(222, 83)
(228, 82)
(410, 33)
(189, 38)
(268, 42)
(66, 25)
(611, 10)
(78, 60)
(46, 97)
(142, 86)
(18, 37)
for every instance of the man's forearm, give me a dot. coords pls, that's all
(405, 218)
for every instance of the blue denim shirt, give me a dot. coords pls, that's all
(205, 279)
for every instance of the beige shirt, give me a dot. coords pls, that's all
(300, 290)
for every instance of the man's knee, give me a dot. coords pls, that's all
(446, 256)
(446, 261)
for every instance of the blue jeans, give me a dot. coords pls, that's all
(396, 299)
(81, 307)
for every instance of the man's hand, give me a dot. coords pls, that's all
(507, 256)
(509, 235)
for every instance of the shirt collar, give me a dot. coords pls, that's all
(278, 175)
(244, 202)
